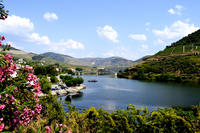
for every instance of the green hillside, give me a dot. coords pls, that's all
(179, 62)
(187, 45)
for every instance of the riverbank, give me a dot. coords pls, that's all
(63, 92)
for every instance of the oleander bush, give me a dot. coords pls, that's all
(19, 91)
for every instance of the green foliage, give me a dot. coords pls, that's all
(40, 70)
(131, 120)
(178, 69)
(54, 79)
(45, 84)
(134, 120)
(66, 70)
(79, 69)
(46, 70)
(71, 81)
(52, 109)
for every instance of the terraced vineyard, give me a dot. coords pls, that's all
(180, 49)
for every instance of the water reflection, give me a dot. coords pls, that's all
(114, 93)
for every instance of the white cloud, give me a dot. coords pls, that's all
(16, 25)
(50, 16)
(108, 32)
(62, 46)
(70, 44)
(139, 37)
(23, 29)
(36, 38)
(177, 10)
(173, 32)
(176, 30)
(171, 11)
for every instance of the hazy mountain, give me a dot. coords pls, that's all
(111, 63)
(93, 62)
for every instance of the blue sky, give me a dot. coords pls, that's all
(98, 28)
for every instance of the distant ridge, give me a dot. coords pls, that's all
(92, 62)
(112, 63)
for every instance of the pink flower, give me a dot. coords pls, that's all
(69, 131)
(2, 127)
(47, 129)
(2, 38)
(6, 95)
(2, 106)
(60, 125)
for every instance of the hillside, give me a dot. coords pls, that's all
(186, 45)
(179, 62)
(64, 58)
(111, 64)
(17, 53)
(114, 62)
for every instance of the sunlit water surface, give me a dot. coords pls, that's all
(111, 94)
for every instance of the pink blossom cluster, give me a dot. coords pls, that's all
(62, 127)
(1, 39)
(14, 110)
(1, 124)
(9, 106)
(28, 115)
(47, 129)
(33, 82)
(28, 69)
(8, 68)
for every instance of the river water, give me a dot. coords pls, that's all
(113, 93)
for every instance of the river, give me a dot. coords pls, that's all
(113, 93)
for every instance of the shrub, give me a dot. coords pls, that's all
(77, 81)
(52, 109)
(45, 85)
(69, 83)
(54, 79)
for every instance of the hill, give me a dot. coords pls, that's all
(186, 45)
(111, 62)
(30, 57)
(179, 62)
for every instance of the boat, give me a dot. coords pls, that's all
(92, 80)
